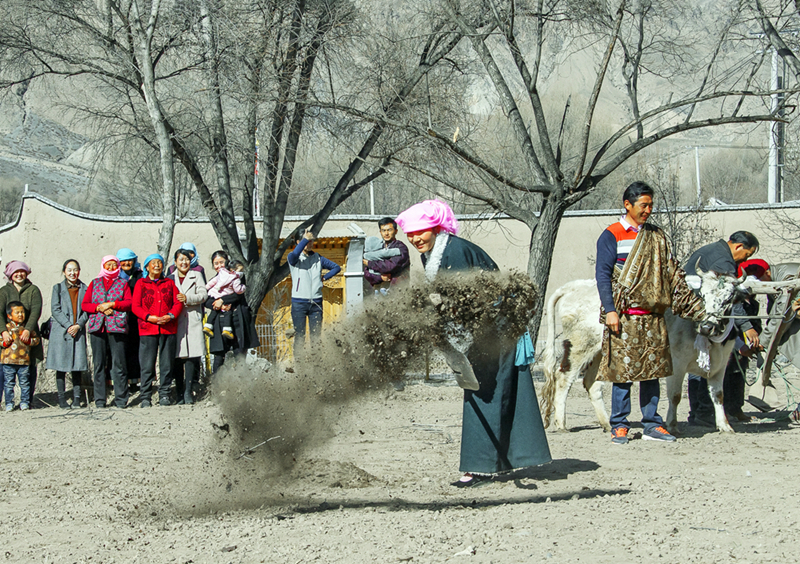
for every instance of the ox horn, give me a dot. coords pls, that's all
(697, 269)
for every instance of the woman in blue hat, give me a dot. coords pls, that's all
(195, 263)
(156, 305)
(131, 272)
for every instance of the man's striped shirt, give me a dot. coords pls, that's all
(613, 248)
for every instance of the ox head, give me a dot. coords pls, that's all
(719, 292)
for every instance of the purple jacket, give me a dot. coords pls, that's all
(397, 266)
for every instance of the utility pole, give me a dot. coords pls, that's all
(697, 172)
(776, 132)
(371, 198)
(777, 129)
(256, 197)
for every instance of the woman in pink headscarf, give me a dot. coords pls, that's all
(107, 299)
(20, 289)
(502, 428)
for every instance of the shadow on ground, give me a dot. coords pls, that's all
(761, 423)
(404, 505)
(556, 470)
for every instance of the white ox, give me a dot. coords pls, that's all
(577, 305)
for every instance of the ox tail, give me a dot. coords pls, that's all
(549, 358)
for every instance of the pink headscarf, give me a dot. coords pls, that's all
(109, 275)
(15, 265)
(427, 215)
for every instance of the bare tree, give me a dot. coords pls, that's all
(145, 53)
(111, 48)
(547, 165)
(208, 75)
(280, 81)
(11, 198)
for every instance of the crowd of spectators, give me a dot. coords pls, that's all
(136, 317)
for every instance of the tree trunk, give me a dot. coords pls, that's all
(144, 54)
(216, 124)
(258, 285)
(543, 241)
(167, 230)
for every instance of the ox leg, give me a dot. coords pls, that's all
(674, 393)
(715, 390)
(594, 388)
(564, 382)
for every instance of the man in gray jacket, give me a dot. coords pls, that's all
(306, 268)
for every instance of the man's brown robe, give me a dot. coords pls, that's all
(651, 280)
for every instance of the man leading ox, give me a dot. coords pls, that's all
(638, 280)
(722, 257)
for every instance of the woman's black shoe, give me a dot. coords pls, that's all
(470, 481)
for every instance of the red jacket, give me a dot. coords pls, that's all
(156, 297)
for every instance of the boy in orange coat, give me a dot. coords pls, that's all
(15, 357)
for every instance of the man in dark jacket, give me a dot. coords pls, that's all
(722, 257)
(393, 269)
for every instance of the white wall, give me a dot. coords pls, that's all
(46, 235)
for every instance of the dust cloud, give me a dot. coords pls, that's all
(287, 411)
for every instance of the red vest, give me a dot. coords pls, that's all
(117, 322)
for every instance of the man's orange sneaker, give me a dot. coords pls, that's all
(658, 434)
(619, 435)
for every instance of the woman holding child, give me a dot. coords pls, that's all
(241, 322)
(67, 349)
(21, 289)
(191, 344)
(106, 301)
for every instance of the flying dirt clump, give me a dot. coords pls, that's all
(364, 353)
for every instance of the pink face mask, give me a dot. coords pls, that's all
(109, 274)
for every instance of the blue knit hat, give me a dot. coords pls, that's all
(154, 256)
(126, 254)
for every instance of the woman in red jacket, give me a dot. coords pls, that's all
(156, 305)
(106, 300)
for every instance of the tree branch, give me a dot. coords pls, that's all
(671, 106)
(709, 68)
(503, 91)
(587, 126)
(490, 200)
(776, 40)
(633, 148)
(531, 88)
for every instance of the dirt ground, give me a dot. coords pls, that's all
(163, 485)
